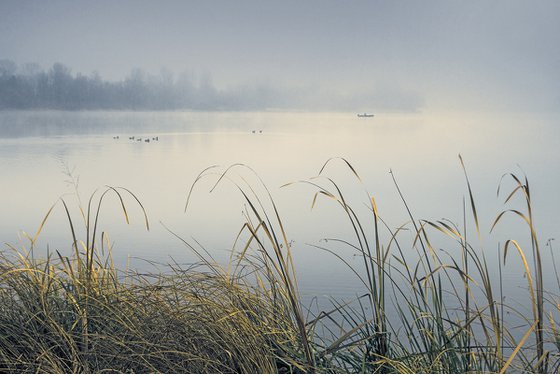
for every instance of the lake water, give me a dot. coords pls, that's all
(38, 151)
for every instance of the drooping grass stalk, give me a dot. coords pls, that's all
(76, 314)
(426, 303)
(280, 263)
(491, 324)
(538, 298)
(374, 264)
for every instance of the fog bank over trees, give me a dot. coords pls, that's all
(29, 86)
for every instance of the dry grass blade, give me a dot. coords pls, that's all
(344, 337)
(145, 214)
(74, 238)
(443, 267)
(348, 164)
(527, 272)
(199, 177)
(447, 230)
(471, 198)
(34, 240)
(324, 193)
(518, 348)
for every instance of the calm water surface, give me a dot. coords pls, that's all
(48, 155)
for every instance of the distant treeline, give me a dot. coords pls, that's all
(30, 87)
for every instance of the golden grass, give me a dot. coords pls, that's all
(422, 309)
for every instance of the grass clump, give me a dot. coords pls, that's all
(424, 307)
(79, 314)
(186, 322)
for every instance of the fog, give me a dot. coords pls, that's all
(29, 87)
(316, 55)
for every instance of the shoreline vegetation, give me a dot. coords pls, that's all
(29, 86)
(438, 311)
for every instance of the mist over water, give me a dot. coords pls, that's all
(62, 151)
(379, 141)
(437, 56)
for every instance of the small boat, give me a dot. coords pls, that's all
(365, 115)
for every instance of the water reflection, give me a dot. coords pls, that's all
(45, 155)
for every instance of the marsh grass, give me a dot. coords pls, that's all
(79, 314)
(430, 301)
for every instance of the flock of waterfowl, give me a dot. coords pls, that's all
(156, 138)
(139, 139)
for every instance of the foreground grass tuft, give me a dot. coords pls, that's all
(424, 308)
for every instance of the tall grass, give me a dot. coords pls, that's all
(431, 301)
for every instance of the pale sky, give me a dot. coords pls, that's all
(481, 55)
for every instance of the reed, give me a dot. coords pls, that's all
(430, 301)
(79, 314)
